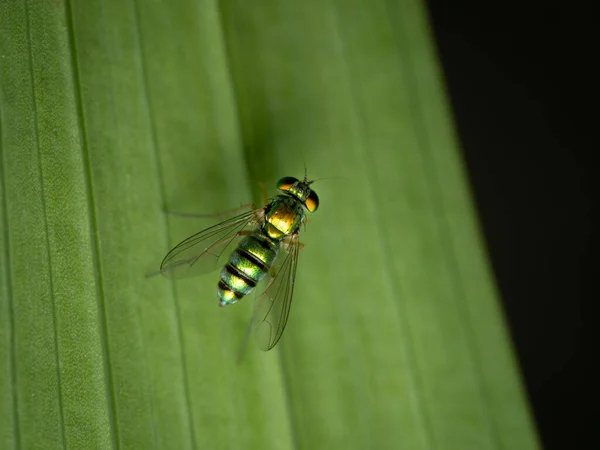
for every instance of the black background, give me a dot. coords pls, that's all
(519, 77)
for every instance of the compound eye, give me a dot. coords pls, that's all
(286, 183)
(312, 202)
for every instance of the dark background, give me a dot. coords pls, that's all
(519, 78)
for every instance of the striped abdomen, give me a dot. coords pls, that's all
(247, 265)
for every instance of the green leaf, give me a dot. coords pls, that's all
(112, 111)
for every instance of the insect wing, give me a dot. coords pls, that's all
(273, 307)
(201, 251)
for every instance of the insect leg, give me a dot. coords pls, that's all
(208, 216)
(263, 190)
(289, 241)
(250, 327)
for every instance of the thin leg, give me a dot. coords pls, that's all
(263, 190)
(244, 345)
(288, 241)
(250, 328)
(208, 216)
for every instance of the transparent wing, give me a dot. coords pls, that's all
(201, 251)
(273, 306)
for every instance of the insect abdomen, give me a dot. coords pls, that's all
(247, 265)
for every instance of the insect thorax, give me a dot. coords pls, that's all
(283, 217)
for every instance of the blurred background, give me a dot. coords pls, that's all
(519, 77)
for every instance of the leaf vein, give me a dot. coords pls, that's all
(9, 290)
(413, 370)
(95, 245)
(46, 227)
(162, 190)
(443, 228)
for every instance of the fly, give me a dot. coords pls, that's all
(268, 251)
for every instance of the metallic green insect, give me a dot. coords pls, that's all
(276, 226)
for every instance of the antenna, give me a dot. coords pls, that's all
(330, 178)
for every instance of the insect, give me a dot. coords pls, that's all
(266, 232)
